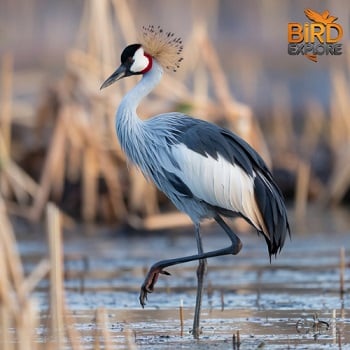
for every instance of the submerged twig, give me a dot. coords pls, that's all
(341, 272)
(236, 340)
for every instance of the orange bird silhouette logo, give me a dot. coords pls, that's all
(323, 17)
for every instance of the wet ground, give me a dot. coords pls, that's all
(292, 303)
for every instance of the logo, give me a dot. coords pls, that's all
(319, 37)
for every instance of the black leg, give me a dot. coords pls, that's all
(158, 267)
(233, 237)
(201, 270)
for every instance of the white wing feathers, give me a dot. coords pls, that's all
(219, 183)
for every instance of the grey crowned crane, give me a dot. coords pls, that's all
(205, 170)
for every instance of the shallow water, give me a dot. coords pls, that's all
(292, 303)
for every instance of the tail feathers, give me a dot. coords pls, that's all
(273, 211)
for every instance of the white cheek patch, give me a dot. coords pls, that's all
(140, 61)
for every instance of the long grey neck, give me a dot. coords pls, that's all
(130, 128)
(130, 102)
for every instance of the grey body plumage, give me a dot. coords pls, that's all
(205, 170)
(149, 144)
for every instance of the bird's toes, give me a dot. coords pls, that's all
(146, 288)
(149, 283)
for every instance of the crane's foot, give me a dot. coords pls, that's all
(149, 282)
(196, 332)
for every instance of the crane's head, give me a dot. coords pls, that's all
(137, 59)
(134, 61)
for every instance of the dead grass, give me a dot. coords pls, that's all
(82, 149)
(19, 312)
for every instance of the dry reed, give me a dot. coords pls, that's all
(19, 310)
(6, 99)
(83, 149)
(181, 317)
(236, 340)
(302, 190)
(342, 266)
(102, 331)
(339, 183)
(56, 276)
(13, 180)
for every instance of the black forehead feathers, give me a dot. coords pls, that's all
(128, 52)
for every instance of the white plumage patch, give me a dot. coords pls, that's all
(140, 61)
(219, 183)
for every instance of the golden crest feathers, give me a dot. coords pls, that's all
(165, 47)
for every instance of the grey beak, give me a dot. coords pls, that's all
(121, 72)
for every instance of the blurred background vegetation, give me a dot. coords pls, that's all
(57, 139)
(58, 144)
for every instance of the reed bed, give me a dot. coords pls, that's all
(24, 326)
(20, 317)
(83, 150)
(84, 175)
(81, 166)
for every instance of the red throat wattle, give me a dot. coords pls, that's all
(150, 63)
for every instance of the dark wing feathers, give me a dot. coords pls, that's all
(210, 140)
(178, 184)
(267, 194)
(273, 211)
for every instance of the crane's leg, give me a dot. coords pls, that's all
(201, 270)
(158, 267)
